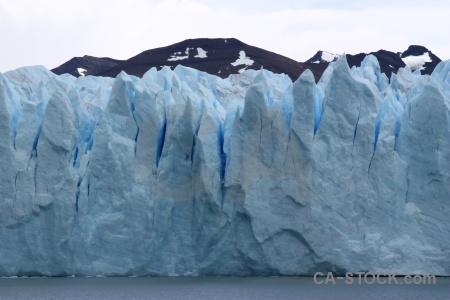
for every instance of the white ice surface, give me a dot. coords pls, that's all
(201, 53)
(81, 71)
(176, 56)
(243, 60)
(417, 62)
(329, 57)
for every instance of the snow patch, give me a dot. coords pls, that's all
(201, 53)
(417, 62)
(329, 57)
(316, 62)
(82, 72)
(243, 60)
(174, 57)
(242, 70)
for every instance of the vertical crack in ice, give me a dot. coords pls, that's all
(223, 155)
(398, 126)
(194, 139)
(356, 127)
(409, 109)
(196, 129)
(135, 140)
(161, 139)
(370, 163)
(34, 154)
(90, 141)
(317, 111)
(75, 156)
(77, 196)
(36, 139)
(132, 97)
(15, 189)
(377, 130)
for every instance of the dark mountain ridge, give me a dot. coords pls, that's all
(223, 57)
(92, 65)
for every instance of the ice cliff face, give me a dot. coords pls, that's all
(184, 173)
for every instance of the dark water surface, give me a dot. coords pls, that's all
(211, 288)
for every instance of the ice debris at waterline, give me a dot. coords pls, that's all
(184, 173)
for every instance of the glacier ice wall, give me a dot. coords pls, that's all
(184, 173)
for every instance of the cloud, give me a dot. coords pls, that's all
(51, 32)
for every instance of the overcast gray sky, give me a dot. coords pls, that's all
(50, 32)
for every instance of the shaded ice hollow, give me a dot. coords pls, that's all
(185, 173)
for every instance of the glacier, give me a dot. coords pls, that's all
(184, 173)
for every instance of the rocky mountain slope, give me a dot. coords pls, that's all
(222, 57)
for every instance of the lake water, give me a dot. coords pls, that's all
(211, 288)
